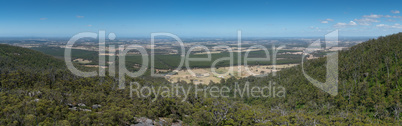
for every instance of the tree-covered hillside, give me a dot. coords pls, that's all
(36, 89)
(14, 58)
(369, 86)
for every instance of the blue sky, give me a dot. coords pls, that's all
(200, 18)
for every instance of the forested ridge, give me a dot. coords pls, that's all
(37, 89)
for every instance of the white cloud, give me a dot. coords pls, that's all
(395, 11)
(396, 25)
(78, 16)
(397, 17)
(366, 21)
(381, 25)
(326, 21)
(340, 24)
(373, 16)
(352, 23)
(42, 18)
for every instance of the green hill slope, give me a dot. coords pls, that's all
(12, 57)
(369, 85)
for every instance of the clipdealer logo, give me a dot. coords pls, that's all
(330, 86)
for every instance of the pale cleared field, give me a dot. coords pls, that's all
(83, 61)
(207, 52)
(205, 75)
